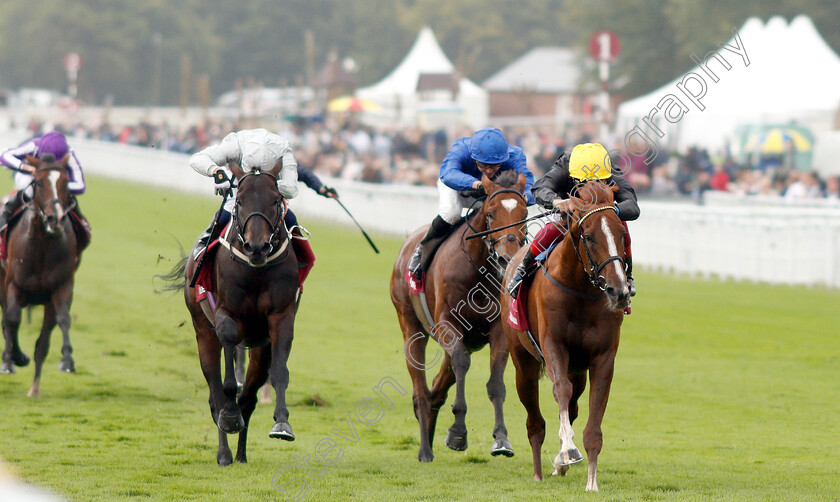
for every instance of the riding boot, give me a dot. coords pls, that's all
(523, 270)
(628, 267)
(11, 207)
(210, 233)
(81, 225)
(434, 237)
(305, 257)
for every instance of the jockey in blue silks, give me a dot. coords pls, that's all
(486, 153)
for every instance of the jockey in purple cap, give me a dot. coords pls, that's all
(53, 143)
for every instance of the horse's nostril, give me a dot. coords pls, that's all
(611, 291)
(247, 247)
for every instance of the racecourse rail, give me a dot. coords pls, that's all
(770, 242)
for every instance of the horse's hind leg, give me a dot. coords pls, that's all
(42, 346)
(496, 391)
(230, 417)
(415, 341)
(600, 378)
(281, 327)
(12, 355)
(527, 386)
(456, 437)
(239, 366)
(256, 377)
(440, 389)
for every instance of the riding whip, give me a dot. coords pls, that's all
(212, 231)
(360, 227)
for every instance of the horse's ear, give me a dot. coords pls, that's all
(32, 160)
(236, 169)
(277, 167)
(64, 160)
(489, 186)
(521, 181)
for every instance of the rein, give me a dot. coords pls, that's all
(490, 244)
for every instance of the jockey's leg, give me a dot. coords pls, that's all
(206, 238)
(547, 235)
(628, 260)
(14, 203)
(84, 240)
(303, 251)
(449, 212)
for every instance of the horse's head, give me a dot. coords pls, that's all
(51, 198)
(258, 213)
(598, 237)
(504, 206)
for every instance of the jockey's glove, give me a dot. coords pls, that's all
(328, 192)
(222, 181)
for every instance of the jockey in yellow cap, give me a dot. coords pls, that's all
(587, 161)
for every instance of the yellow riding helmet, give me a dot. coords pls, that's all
(590, 161)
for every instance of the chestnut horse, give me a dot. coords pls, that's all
(42, 257)
(255, 280)
(461, 286)
(574, 309)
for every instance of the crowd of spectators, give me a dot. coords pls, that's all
(352, 151)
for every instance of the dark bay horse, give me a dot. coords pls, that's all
(41, 262)
(255, 281)
(574, 309)
(462, 287)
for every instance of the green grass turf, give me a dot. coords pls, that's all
(722, 391)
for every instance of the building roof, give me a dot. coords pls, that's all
(542, 69)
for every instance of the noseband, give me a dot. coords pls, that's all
(276, 226)
(594, 272)
(489, 242)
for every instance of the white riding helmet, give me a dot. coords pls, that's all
(261, 151)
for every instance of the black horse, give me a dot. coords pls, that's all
(255, 280)
(42, 257)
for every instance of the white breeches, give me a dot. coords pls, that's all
(23, 180)
(451, 203)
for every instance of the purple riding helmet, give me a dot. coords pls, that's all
(52, 143)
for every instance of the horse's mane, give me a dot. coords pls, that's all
(507, 179)
(595, 193)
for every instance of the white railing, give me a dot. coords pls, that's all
(783, 245)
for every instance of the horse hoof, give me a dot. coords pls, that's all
(567, 457)
(456, 442)
(7, 368)
(242, 460)
(425, 456)
(282, 430)
(20, 359)
(502, 447)
(224, 459)
(231, 423)
(67, 366)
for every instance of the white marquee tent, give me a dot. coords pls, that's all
(792, 76)
(398, 93)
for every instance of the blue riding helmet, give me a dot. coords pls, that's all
(489, 146)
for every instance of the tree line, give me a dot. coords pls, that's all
(141, 53)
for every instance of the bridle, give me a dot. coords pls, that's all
(594, 272)
(489, 242)
(55, 200)
(277, 225)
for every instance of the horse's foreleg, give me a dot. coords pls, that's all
(281, 328)
(42, 346)
(578, 386)
(496, 391)
(209, 354)
(600, 378)
(528, 389)
(12, 355)
(230, 418)
(256, 377)
(557, 365)
(456, 437)
(62, 301)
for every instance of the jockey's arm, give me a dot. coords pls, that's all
(211, 158)
(76, 185)
(451, 173)
(625, 199)
(287, 180)
(545, 189)
(13, 157)
(519, 163)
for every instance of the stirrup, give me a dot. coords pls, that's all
(304, 234)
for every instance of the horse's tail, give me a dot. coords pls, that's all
(174, 280)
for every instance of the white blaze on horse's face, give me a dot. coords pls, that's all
(509, 204)
(619, 272)
(53, 177)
